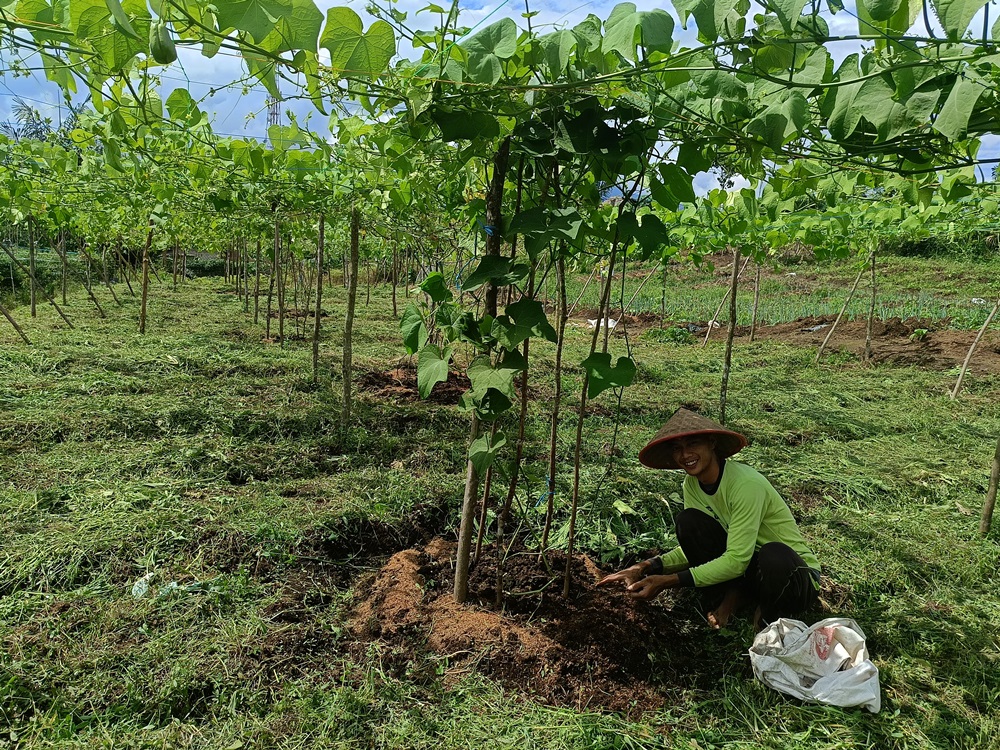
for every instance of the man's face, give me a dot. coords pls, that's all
(695, 454)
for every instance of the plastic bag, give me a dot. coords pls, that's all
(823, 663)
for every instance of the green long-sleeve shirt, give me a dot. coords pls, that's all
(752, 513)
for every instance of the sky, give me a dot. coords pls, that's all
(238, 112)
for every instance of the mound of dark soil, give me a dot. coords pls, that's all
(596, 649)
(399, 385)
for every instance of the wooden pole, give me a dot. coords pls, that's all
(871, 316)
(10, 319)
(991, 494)
(461, 590)
(756, 305)
(833, 328)
(975, 343)
(352, 299)
(727, 362)
(714, 321)
(583, 291)
(33, 284)
(319, 297)
(39, 286)
(256, 288)
(145, 279)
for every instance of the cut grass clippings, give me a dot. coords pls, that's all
(184, 522)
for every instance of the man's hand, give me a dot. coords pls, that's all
(629, 576)
(651, 586)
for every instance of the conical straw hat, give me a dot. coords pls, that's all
(658, 454)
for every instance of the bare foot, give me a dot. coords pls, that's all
(719, 618)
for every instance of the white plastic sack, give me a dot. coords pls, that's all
(823, 663)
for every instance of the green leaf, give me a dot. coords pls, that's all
(121, 18)
(953, 120)
(413, 328)
(623, 508)
(432, 368)
(497, 269)
(784, 119)
(956, 15)
(710, 16)
(843, 113)
(483, 450)
(489, 48)
(501, 378)
(692, 158)
(182, 108)
(788, 12)
(895, 25)
(523, 319)
(354, 52)
(881, 10)
(434, 286)
(627, 28)
(602, 375)
(530, 314)
(256, 17)
(673, 188)
(557, 48)
(296, 30)
(875, 101)
(464, 125)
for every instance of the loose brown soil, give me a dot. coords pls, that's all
(595, 649)
(894, 341)
(399, 385)
(914, 341)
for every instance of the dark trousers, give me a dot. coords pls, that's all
(777, 578)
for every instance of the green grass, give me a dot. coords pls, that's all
(205, 463)
(940, 289)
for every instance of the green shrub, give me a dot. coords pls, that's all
(671, 335)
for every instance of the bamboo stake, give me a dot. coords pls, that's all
(602, 311)
(563, 316)
(319, 297)
(13, 322)
(461, 590)
(991, 495)
(975, 343)
(727, 362)
(145, 279)
(582, 291)
(636, 294)
(256, 288)
(175, 265)
(833, 328)
(124, 266)
(352, 299)
(104, 269)
(87, 284)
(33, 284)
(871, 316)
(714, 321)
(756, 305)
(39, 286)
(61, 251)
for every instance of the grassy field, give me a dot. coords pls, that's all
(181, 515)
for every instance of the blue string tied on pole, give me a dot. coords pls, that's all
(545, 495)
